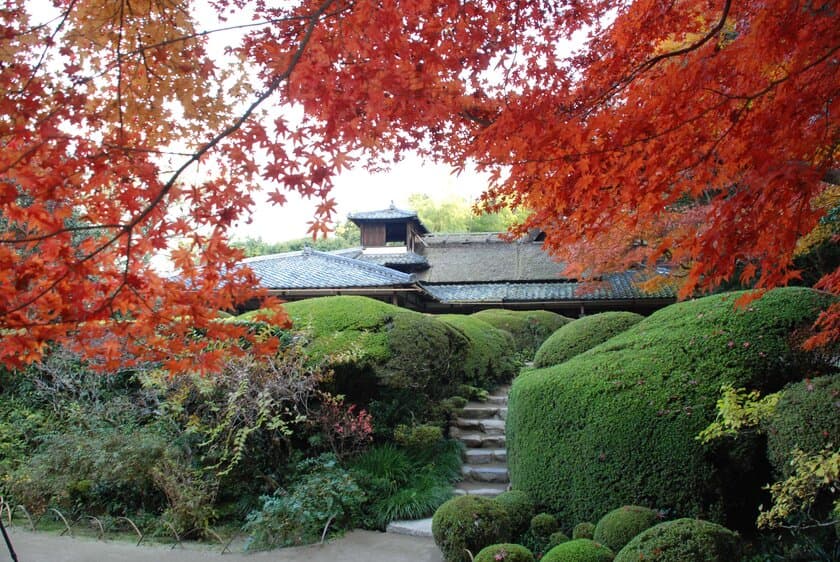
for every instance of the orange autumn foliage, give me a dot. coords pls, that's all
(697, 132)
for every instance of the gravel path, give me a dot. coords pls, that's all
(356, 546)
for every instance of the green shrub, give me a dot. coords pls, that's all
(682, 540)
(101, 470)
(490, 357)
(397, 363)
(584, 530)
(469, 523)
(617, 425)
(505, 552)
(418, 436)
(616, 528)
(579, 550)
(529, 328)
(581, 335)
(807, 417)
(322, 493)
(519, 507)
(557, 537)
(543, 524)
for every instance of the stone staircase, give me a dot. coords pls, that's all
(481, 427)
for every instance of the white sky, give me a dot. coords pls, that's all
(358, 190)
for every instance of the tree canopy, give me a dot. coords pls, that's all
(697, 132)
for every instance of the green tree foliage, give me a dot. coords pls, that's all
(529, 328)
(455, 214)
(346, 235)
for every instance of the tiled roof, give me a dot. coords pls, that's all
(391, 213)
(310, 269)
(401, 258)
(618, 286)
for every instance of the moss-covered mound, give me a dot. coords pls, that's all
(579, 550)
(530, 328)
(807, 417)
(557, 537)
(519, 507)
(505, 552)
(617, 425)
(469, 523)
(583, 334)
(683, 540)
(619, 526)
(402, 360)
(490, 357)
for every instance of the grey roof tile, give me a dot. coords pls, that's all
(391, 213)
(310, 269)
(401, 258)
(617, 286)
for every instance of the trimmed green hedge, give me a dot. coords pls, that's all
(398, 363)
(616, 528)
(490, 357)
(617, 425)
(469, 523)
(583, 334)
(530, 328)
(579, 550)
(505, 552)
(682, 540)
(807, 417)
(585, 530)
(519, 507)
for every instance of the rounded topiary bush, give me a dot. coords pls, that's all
(579, 550)
(557, 537)
(489, 359)
(683, 540)
(616, 528)
(618, 424)
(543, 524)
(582, 334)
(530, 328)
(505, 552)
(584, 530)
(403, 360)
(807, 417)
(520, 509)
(469, 523)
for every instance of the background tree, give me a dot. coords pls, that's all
(696, 131)
(456, 214)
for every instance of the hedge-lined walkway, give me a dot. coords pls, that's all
(356, 546)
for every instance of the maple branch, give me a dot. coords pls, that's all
(650, 63)
(127, 228)
(46, 48)
(68, 229)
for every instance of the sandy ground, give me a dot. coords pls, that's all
(356, 546)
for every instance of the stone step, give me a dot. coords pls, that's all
(418, 528)
(468, 424)
(484, 456)
(480, 411)
(494, 472)
(500, 400)
(486, 489)
(492, 427)
(480, 440)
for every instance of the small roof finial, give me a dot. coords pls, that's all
(392, 204)
(307, 250)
